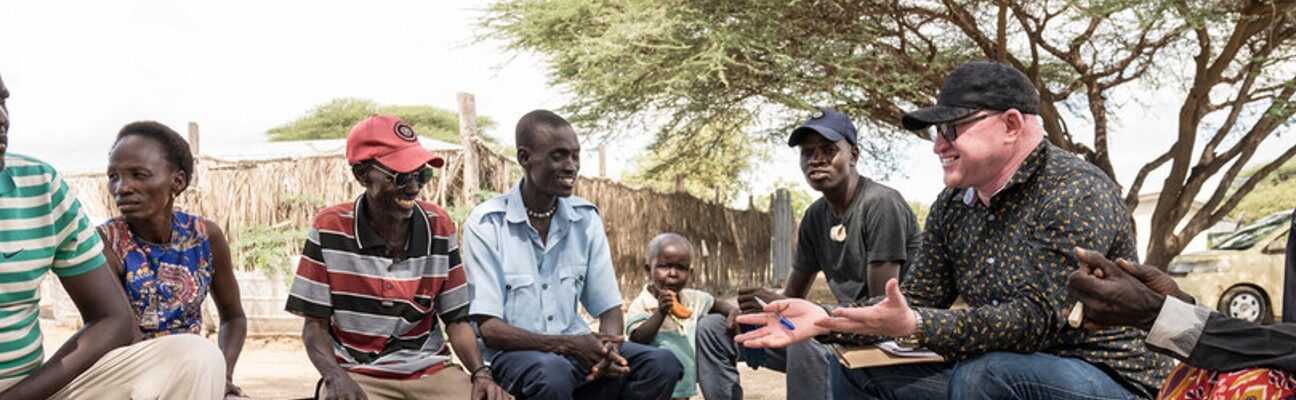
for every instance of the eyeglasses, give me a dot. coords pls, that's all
(677, 267)
(949, 130)
(423, 175)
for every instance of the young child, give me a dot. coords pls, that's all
(666, 314)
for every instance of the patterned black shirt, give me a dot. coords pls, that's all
(1010, 263)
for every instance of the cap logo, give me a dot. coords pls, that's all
(818, 114)
(405, 132)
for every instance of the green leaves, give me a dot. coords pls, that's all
(334, 119)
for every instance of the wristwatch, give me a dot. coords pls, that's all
(915, 339)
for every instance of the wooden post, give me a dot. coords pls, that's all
(193, 148)
(602, 161)
(193, 138)
(468, 136)
(781, 235)
(679, 183)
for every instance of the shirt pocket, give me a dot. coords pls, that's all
(572, 280)
(521, 302)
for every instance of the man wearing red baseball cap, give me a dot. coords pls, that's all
(375, 275)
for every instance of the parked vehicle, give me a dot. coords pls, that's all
(1242, 276)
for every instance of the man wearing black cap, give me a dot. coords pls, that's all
(1000, 236)
(859, 234)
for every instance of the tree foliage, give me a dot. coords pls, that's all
(334, 119)
(1273, 194)
(800, 199)
(708, 164)
(679, 64)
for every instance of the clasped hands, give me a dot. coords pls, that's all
(600, 352)
(892, 317)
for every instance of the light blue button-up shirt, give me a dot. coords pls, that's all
(532, 285)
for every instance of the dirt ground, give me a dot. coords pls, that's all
(279, 369)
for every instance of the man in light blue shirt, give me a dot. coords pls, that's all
(533, 254)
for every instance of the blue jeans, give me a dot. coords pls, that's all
(540, 375)
(995, 375)
(808, 365)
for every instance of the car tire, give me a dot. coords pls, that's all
(1247, 304)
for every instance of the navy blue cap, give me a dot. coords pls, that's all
(828, 123)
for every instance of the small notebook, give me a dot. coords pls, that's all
(882, 354)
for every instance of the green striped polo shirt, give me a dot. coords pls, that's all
(42, 228)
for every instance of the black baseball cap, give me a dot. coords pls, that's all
(978, 85)
(828, 123)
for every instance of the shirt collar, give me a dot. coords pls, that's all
(416, 245)
(1025, 171)
(515, 211)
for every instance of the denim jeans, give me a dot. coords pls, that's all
(807, 365)
(995, 375)
(549, 376)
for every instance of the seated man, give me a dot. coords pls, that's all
(45, 230)
(1222, 357)
(1000, 237)
(860, 234)
(532, 255)
(376, 274)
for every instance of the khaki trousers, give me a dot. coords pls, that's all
(450, 382)
(170, 367)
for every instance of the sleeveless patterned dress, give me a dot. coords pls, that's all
(166, 284)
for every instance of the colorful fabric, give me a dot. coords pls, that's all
(382, 311)
(42, 229)
(1188, 383)
(677, 335)
(166, 283)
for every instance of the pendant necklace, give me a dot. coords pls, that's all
(838, 232)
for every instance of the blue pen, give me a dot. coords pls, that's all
(786, 324)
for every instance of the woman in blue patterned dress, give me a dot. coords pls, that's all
(168, 259)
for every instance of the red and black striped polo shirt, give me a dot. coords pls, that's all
(382, 311)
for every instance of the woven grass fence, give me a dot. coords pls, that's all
(732, 247)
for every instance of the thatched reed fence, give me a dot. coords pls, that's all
(732, 246)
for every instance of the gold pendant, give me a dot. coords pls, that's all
(837, 233)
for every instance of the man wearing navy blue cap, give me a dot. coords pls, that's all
(860, 234)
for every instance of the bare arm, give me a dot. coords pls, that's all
(225, 290)
(879, 272)
(108, 325)
(319, 348)
(589, 350)
(645, 333)
(499, 335)
(798, 284)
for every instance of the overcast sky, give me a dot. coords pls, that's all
(79, 70)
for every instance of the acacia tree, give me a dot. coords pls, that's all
(679, 64)
(332, 120)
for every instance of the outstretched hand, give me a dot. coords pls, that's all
(892, 317)
(801, 313)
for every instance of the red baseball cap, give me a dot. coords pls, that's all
(390, 141)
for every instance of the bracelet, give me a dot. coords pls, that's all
(473, 377)
(917, 338)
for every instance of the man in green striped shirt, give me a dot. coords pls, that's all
(42, 228)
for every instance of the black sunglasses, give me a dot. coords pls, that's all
(423, 175)
(949, 130)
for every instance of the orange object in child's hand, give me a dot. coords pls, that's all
(677, 309)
